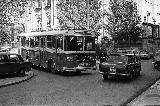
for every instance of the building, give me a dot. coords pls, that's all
(40, 15)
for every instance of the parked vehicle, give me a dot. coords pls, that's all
(11, 63)
(120, 65)
(156, 61)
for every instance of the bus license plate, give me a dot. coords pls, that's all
(112, 70)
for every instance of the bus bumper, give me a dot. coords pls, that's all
(74, 69)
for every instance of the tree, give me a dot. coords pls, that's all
(123, 21)
(10, 12)
(76, 13)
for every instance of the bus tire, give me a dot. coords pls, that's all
(51, 66)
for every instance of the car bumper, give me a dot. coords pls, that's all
(114, 74)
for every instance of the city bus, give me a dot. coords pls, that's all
(59, 50)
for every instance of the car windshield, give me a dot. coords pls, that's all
(117, 58)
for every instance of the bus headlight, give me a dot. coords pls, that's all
(69, 59)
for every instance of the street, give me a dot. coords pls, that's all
(86, 89)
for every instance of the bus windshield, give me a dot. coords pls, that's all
(79, 43)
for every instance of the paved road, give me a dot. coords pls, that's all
(87, 89)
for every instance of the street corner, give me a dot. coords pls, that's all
(15, 80)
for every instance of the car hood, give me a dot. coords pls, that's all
(113, 64)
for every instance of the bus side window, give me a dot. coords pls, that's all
(36, 41)
(59, 42)
(54, 42)
(49, 42)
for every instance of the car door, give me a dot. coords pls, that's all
(3, 66)
(13, 63)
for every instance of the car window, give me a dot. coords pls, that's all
(131, 60)
(13, 58)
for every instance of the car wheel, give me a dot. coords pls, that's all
(78, 71)
(21, 72)
(105, 77)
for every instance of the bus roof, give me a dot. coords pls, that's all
(55, 32)
(58, 32)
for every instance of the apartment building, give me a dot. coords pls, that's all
(40, 15)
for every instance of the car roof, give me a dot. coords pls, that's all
(6, 53)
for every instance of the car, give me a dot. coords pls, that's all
(156, 60)
(145, 55)
(127, 65)
(13, 64)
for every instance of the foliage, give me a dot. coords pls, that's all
(10, 12)
(123, 20)
(73, 13)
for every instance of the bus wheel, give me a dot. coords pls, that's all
(52, 68)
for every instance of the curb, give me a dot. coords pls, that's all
(12, 81)
(140, 92)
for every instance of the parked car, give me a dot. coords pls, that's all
(128, 65)
(156, 61)
(11, 63)
(145, 55)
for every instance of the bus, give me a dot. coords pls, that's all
(59, 50)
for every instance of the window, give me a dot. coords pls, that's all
(13, 58)
(73, 43)
(54, 41)
(42, 42)
(23, 41)
(36, 41)
(89, 43)
(59, 42)
(31, 42)
(49, 42)
(27, 42)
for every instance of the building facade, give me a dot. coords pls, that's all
(40, 15)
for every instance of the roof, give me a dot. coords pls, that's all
(59, 32)
(55, 32)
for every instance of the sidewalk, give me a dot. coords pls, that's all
(149, 97)
(14, 80)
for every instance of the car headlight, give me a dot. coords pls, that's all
(69, 59)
